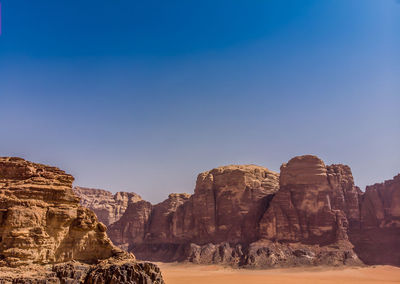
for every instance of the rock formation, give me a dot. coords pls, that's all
(108, 207)
(42, 223)
(313, 205)
(144, 222)
(377, 236)
(226, 205)
(107, 271)
(249, 216)
(133, 226)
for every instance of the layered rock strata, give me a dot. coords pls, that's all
(108, 207)
(377, 236)
(42, 224)
(226, 204)
(314, 203)
(249, 216)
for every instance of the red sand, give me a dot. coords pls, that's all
(213, 274)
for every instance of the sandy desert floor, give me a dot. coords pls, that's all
(213, 274)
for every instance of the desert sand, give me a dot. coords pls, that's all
(212, 274)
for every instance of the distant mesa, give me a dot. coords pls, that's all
(107, 206)
(248, 216)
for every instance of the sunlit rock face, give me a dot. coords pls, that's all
(41, 219)
(47, 237)
(108, 207)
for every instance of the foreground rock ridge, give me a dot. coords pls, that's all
(249, 216)
(45, 231)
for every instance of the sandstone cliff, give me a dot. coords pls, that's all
(42, 223)
(225, 207)
(250, 216)
(108, 207)
(377, 236)
(313, 205)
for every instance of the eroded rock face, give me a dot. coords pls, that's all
(133, 225)
(313, 204)
(226, 206)
(42, 224)
(41, 220)
(108, 207)
(249, 216)
(161, 226)
(107, 271)
(124, 272)
(377, 238)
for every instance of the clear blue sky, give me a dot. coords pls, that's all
(144, 95)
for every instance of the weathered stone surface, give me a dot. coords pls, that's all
(249, 216)
(124, 272)
(161, 226)
(133, 225)
(41, 220)
(108, 207)
(377, 237)
(226, 206)
(271, 254)
(108, 271)
(42, 224)
(312, 204)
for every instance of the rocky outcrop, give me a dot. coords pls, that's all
(161, 225)
(249, 216)
(108, 207)
(124, 272)
(226, 206)
(42, 224)
(377, 237)
(41, 220)
(133, 226)
(108, 271)
(313, 205)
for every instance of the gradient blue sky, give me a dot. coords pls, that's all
(144, 95)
